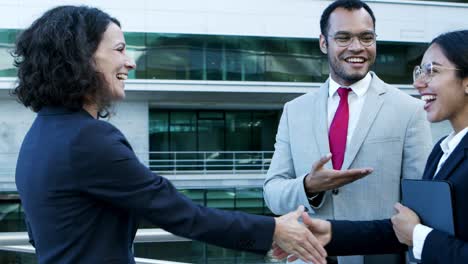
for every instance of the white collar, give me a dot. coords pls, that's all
(359, 88)
(451, 141)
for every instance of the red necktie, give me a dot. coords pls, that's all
(339, 129)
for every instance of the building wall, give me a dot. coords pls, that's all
(402, 21)
(131, 117)
(15, 121)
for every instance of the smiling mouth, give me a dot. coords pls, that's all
(122, 76)
(428, 98)
(355, 60)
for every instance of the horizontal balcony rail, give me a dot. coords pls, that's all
(19, 242)
(182, 162)
(209, 162)
(145, 235)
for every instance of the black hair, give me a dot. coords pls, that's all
(454, 45)
(346, 4)
(54, 57)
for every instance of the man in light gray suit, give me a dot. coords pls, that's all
(377, 130)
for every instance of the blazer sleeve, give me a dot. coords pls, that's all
(417, 145)
(363, 238)
(440, 247)
(283, 189)
(111, 173)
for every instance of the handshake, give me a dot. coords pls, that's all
(306, 241)
(302, 241)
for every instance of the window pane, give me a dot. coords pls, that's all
(170, 56)
(159, 141)
(183, 127)
(253, 62)
(306, 61)
(7, 40)
(211, 134)
(214, 57)
(264, 126)
(238, 131)
(232, 59)
(276, 60)
(137, 50)
(395, 62)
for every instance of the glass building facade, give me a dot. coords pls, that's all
(211, 139)
(244, 58)
(238, 58)
(212, 130)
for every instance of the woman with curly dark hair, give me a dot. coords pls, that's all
(55, 61)
(82, 188)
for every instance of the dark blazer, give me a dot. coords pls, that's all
(374, 237)
(84, 191)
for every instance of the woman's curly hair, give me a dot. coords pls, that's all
(55, 60)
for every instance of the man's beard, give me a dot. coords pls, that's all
(342, 74)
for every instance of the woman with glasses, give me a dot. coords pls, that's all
(442, 81)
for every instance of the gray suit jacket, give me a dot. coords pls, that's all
(392, 136)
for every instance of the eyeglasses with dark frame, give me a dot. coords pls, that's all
(426, 71)
(344, 39)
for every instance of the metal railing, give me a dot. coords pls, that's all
(183, 162)
(19, 242)
(207, 162)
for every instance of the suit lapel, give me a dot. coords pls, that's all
(370, 109)
(457, 156)
(320, 120)
(432, 161)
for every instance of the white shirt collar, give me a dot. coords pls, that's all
(359, 88)
(451, 141)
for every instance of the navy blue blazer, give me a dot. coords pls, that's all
(83, 191)
(377, 237)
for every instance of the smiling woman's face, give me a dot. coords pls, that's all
(112, 61)
(444, 93)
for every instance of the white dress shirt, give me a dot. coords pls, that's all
(356, 100)
(447, 145)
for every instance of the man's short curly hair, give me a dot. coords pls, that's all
(54, 57)
(349, 5)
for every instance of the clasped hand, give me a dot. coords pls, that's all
(321, 236)
(404, 222)
(293, 237)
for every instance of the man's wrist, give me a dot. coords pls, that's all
(315, 198)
